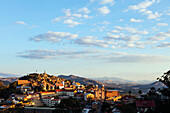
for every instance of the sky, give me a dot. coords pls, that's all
(129, 39)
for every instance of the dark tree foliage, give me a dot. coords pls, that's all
(6, 91)
(1, 84)
(162, 105)
(70, 104)
(105, 106)
(140, 92)
(128, 108)
(165, 78)
(90, 86)
(129, 92)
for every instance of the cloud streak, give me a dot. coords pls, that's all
(106, 56)
(54, 37)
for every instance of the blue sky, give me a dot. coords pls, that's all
(92, 38)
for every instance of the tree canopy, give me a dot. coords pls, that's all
(165, 78)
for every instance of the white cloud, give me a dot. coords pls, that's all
(71, 22)
(115, 31)
(163, 45)
(121, 20)
(70, 16)
(150, 14)
(92, 41)
(105, 22)
(138, 58)
(67, 12)
(57, 19)
(154, 15)
(142, 5)
(20, 22)
(135, 20)
(92, 1)
(77, 15)
(162, 24)
(161, 36)
(111, 2)
(84, 10)
(52, 54)
(104, 10)
(131, 30)
(87, 16)
(110, 56)
(54, 36)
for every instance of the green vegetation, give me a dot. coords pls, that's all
(70, 104)
(6, 91)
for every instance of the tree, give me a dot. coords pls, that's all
(128, 108)
(1, 84)
(165, 78)
(140, 92)
(129, 92)
(70, 104)
(47, 87)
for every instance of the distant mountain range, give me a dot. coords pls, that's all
(109, 82)
(7, 80)
(8, 75)
(116, 80)
(156, 85)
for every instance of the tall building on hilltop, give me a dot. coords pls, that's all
(99, 93)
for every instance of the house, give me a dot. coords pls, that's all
(23, 88)
(34, 95)
(30, 91)
(86, 110)
(55, 101)
(128, 99)
(111, 93)
(62, 92)
(69, 93)
(38, 110)
(115, 110)
(19, 96)
(79, 95)
(59, 92)
(47, 100)
(23, 82)
(95, 105)
(61, 86)
(1, 100)
(144, 105)
(50, 101)
(46, 94)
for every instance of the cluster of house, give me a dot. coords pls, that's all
(56, 89)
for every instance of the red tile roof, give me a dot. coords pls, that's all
(55, 99)
(59, 84)
(145, 103)
(47, 97)
(128, 96)
(59, 90)
(46, 92)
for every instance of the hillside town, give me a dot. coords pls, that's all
(42, 93)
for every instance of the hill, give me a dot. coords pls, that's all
(8, 75)
(156, 85)
(8, 80)
(82, 80)
(116, 80)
